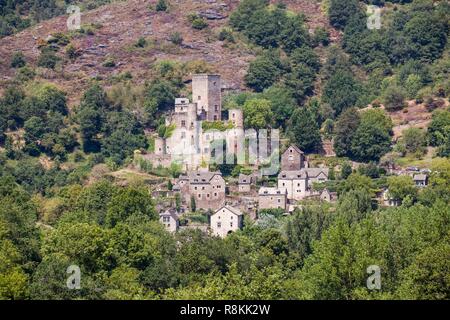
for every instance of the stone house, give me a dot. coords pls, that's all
(170, 220)
(328, 196)
(420, 180)
(272, 198)
(299, 183)
(293, 159)
(245, 183)
(207, 188)
(225, 220)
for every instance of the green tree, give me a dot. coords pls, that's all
(283, 103)
(18, 60)
(401, 187)
(128, 202)
(258, 114)
(372, 139)
(344, 130)
(394, 98)
(264, 71)
(161, 5)
(303, 130)
(341, 91)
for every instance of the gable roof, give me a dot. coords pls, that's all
(245, 179)
(197, 177)
(315, 172)
(294, 174)
(420, 177)
(303, 173)
(272, 191)
(231, 209)
(293, 146)
(169, 213)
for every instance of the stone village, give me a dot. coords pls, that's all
(225, 203)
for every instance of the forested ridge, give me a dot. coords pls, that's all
(70, 193)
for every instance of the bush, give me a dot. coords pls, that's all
(141, 43)
(176, 38)
(394, 98)
(48, 60)
(161, 5)
(197, 22)
(226, 35)
(18, 60)
(109, 63)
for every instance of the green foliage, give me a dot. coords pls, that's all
(401, 187)
(438, 132)
(341, 91)
(340, 11)
(264, 71)
(413, 141)
(304, 131)
(344, 130)
(161, 5)
(176, 38)
(141, 43)
(18, 60)
(394, 98)
(197, 22)
(48, 59)
(258, 114)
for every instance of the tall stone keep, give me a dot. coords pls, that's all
(206, 93)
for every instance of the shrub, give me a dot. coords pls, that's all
(176, 38)
(109, 63)
(141, 43)
(197, 22)
(18, 60)
(394, 98)
(161, 5)
(226, 35)
(48, 60)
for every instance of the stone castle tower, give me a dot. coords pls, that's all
(206, 93)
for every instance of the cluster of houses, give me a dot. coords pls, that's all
(191, 146)
(207, 192)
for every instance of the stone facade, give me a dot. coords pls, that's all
(272, 198)
(207, 95)
(293, 159)
(170, 220)
(420, 180)
(245, 183)
(328, 196)
(299, 183)
(207, 188)
(226, 220)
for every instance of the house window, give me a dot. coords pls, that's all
(279, 200)
(199, 97)
(219, 224)
(199, 195)
(231, 224)
(216, 107)
(291, 158)
(215, 194)
(183, 135)
(183, 123)
(168, 225)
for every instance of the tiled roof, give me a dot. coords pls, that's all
(265, 191)
(231, 209)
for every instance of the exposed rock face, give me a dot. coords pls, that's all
(212, 14)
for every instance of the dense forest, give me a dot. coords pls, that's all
(61, 203)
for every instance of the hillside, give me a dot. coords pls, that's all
(119, 25)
